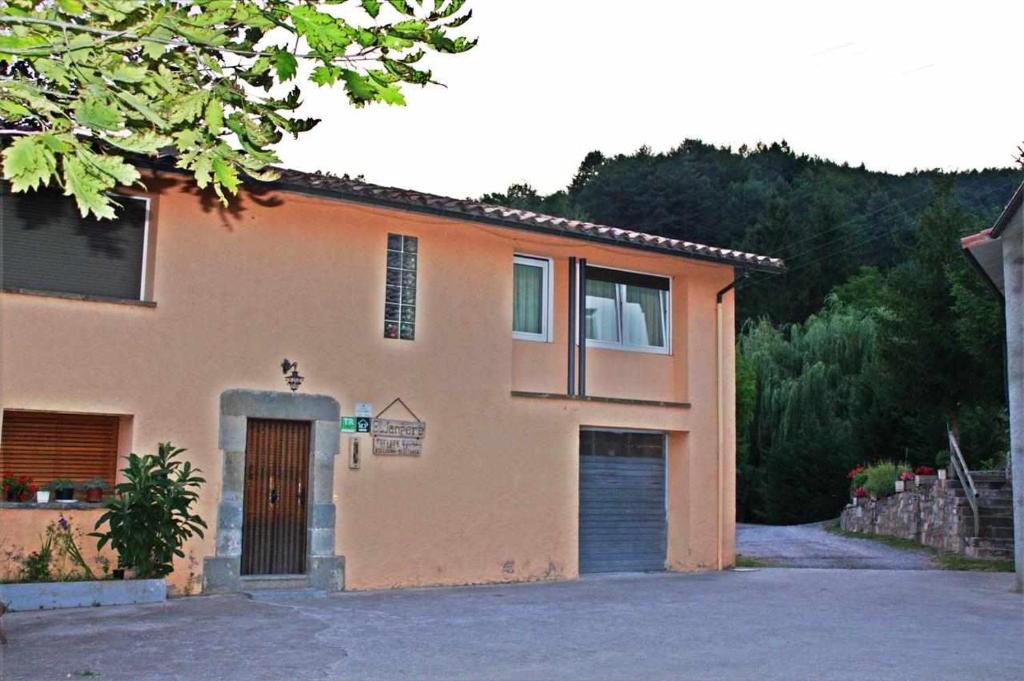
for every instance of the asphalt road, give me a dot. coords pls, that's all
(811, 546)
(827, 625)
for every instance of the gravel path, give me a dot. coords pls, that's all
(810, 546)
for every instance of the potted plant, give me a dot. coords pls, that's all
(922, 472)
(95, 489)
(18, 488)
(63, 489)
(858, 494)
(905, 477)
(42, 496)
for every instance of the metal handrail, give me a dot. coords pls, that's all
(956, 458)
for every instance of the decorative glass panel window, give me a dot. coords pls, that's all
(627, 310)
(400, 292)
(531, 299)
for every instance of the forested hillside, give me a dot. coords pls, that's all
(877, 337)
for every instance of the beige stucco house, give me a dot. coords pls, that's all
(999, 254)
(499, 447)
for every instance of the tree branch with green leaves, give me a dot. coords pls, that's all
(85, 85)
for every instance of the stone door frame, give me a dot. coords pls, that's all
(324, 568)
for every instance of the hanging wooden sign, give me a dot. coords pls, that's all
(398, 437)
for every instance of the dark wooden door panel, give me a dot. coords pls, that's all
(276, 478)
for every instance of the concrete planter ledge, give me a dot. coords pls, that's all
(55, 595)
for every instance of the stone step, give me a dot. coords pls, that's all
(275, 582)
(989, 475)
(283, 595)
(985, 547)
(995, 532)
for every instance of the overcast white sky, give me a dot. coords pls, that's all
(896, 85)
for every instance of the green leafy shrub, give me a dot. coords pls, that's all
(880, 479)
(149, 518)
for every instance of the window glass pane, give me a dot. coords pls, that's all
(400, 292)
(643, 316)
(602, 313)
(528, 302)
(45, 245)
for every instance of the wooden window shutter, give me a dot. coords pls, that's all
(49, 445)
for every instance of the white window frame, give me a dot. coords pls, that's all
(621, 345)
(546, 292)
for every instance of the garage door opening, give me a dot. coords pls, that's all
(623, 525)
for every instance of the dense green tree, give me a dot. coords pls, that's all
(814, 398)
(85, 82)
(943, 347)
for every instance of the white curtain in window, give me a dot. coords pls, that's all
(643, 317)
(602, 311)
(528, 303)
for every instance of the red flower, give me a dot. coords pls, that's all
(906, 476)
(860, 492)
(924, 470)
(854, 472)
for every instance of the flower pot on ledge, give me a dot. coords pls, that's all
(900, 486)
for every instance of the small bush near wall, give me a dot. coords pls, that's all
(150, 517)
(58, 559)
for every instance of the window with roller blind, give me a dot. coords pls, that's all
(49, 445)
(47, 246)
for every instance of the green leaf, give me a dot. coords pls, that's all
(129, 74)
(402, 6)
(98, 113)
(146, 142)
(142, 107)
(214, 116)
(71, 6)
(29, 163)
(285, 64)
(188, 108)
(114, 167)
(82, 182)
(372, 7)
(226, 176)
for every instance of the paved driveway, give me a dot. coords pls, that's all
(761, 624)
(811, 546)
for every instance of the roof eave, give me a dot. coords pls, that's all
(751, 265)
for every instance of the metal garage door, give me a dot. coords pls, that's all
(622, 501)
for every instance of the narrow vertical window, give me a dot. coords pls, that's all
(400, 295)
(531, 304)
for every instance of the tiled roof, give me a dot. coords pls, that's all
(355, 190)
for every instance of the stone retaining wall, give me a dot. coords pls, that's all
(930, 513)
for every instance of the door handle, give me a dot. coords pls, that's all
(301, 497)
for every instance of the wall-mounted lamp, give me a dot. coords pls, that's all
(293, 379)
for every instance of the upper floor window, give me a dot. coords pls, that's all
(627, 310)
(400, 294)
(531, 300)
(47, 246)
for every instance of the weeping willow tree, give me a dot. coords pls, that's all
(807, 399)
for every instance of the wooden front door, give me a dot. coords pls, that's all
(276, 481)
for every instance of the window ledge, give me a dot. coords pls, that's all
(80, 296)
(597, 398)
(50, 505)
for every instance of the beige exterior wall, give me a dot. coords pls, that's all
(494, 496)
